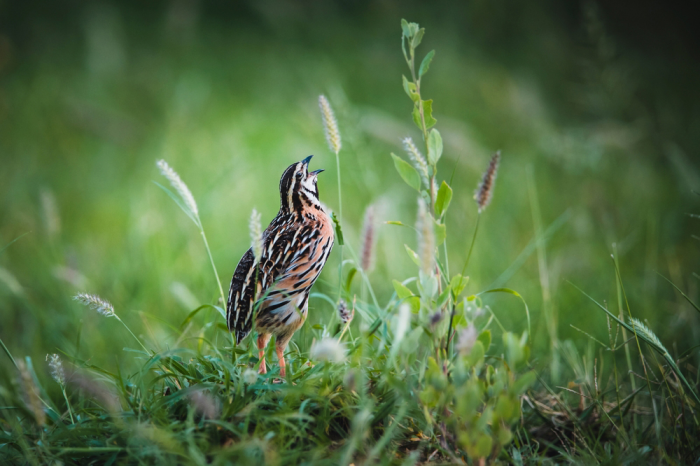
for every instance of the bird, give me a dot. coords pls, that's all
(272, 291)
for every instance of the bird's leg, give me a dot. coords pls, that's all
(263, 339)
(279, 349)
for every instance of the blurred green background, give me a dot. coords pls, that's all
(599, 102)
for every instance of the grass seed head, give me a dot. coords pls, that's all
(96, 303)
(426, 238)
(344, 314)
(256, 240)
(179, 185)
(330, 124)
(368, 240)
(30, 393)
(95, 389)
(484, 192)
(418, 160)
(646, 331)
(56, 367)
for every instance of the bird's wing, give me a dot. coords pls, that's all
(251, 280)
(245, 287)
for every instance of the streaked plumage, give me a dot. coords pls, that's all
(274, 293)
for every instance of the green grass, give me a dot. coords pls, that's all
(562, 382)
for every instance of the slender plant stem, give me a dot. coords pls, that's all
(70, 411)
(449, 347)
(133, 335)
(340, 195)
(340, 222)
(213, 266)
(471, 246)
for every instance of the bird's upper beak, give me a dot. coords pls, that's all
(306, 164)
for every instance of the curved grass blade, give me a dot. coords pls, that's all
(653, 344)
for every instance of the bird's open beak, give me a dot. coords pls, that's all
(307, 160)
(316, 172)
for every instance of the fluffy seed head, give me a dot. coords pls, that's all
(368, 240)
(646, 331)
(346, 315)
(328, 349)
(56, 366)
(30, 393)
(466, 340)
(418, 160)
(95, 302)
(256, 242)
(205, 405)
(250, 376)
(95, 389)
(484, 192)
(179, 186)
(330, 124)
(426, 238)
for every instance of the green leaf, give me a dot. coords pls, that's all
(425, 64)
(434, 146)
(440, 232)
(412, 254)
(401, 290)
(410, 89)
(517, 295)
(348, 280)
(418, 37)
(485, 339)
(405, 28)
(444, 196)
(338, 229)
(444, 296)
(523, 382)
(414, 302)
(191, 315)
(458, 284)
(407, 172)
(427, 112)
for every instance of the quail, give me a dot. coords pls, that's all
(272, 291)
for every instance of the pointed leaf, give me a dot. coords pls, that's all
(410, 89)
(444, 196)
(338, 229)
(485, 339)
(458, 284)
(402, 290)
(407, 172)
(418, 37)
(412, 254)
(425, 64)
(428, 112)
(434, 146)
(405, 29)
(440, 233)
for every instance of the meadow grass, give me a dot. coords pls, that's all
(412, 361)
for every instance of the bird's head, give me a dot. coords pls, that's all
(298, 187)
